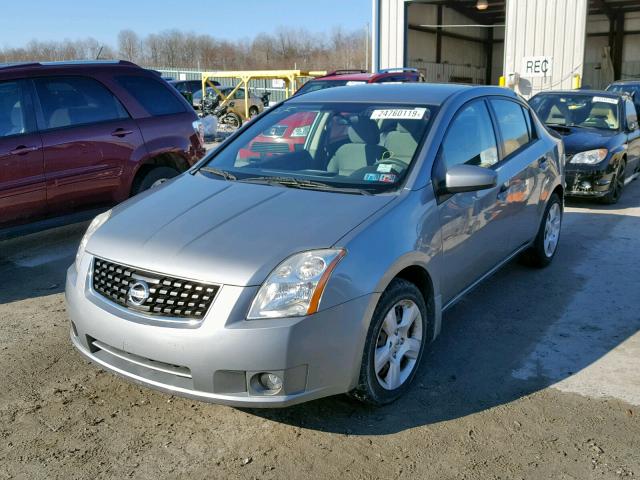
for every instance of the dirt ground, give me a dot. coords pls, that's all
(535, 376)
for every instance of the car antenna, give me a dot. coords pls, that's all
(99, 52)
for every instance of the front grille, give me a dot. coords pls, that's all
(270, 147)
(167, 296)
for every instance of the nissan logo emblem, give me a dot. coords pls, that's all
(138, 293)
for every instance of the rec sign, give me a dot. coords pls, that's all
(536, 66)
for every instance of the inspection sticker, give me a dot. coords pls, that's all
(388, 177)
(613, 101)
(371, 177)
(398, 114)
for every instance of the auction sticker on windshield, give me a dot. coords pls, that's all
(613, 101)
(398, 114)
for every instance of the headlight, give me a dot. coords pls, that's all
(590, 157)
(294, 288)
(95, 224)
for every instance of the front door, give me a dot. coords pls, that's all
(633, 138)
(22, 186)
(525, 165)
(474, 231)
(88, 139)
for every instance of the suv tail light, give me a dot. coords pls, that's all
(198, 126)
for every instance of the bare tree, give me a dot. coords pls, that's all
(129, 45)
(286, 48)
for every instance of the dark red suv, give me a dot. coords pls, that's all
(76, 136)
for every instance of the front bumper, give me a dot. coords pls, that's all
(587, 183)
(218, 361)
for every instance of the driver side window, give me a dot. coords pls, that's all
(470, 139)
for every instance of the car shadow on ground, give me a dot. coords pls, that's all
(35, 265)
(517, 333)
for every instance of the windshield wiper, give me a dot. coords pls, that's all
(293, 182)
(221, 173)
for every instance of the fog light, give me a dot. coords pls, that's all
(271, 382)
(585, 185)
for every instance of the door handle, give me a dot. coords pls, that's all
(23, 150)
(504, 190)
(121, 132)
(543, 164)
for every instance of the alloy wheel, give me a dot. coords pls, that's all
(552, 229)
(398, 344)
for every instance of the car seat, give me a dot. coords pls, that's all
(402, 143)
(363, 149)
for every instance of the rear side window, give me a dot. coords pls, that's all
(15, 116)
(154, 96)
(512, 124)
(470, 139)
(69, 101)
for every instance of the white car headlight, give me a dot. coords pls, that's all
(590, 157)
(95, 224)
(295, 287)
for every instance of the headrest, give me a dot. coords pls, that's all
(364, 131)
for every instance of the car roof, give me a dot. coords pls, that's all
(39, 66)
(347, 76)
(625, 82)
(413, 93)
(598, 93)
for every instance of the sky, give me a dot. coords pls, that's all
(228, 19)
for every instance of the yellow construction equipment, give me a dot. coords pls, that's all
(292, 80)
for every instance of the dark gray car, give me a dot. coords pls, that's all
(272, 280)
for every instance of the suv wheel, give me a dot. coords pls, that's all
(617, 184)
(394, 346)
(154, 177)
(544, 247)
(253, 112)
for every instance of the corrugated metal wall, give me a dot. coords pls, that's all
(554, 28)
(389, 21)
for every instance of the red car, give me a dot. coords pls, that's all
(292, 132)
(77, 136)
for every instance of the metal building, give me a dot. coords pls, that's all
(533, 44)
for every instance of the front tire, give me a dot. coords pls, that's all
(617, 185)
(544, 247)
(394, 346)
(154, 177)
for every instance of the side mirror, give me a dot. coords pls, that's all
(469, 178)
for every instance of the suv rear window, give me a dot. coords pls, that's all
(154, 96)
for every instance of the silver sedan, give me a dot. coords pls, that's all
(315, 251)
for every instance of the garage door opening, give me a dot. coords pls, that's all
(458, 41)
(612, 48)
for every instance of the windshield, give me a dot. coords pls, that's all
(629, 89)
(314, 85)
(359, 146)
(577, 110)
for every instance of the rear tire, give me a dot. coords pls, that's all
(253, 112)
(544, 247)
(617, 185)
(394, 346)
(154, 177)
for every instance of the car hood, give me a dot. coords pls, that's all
(200, 228)
(583, 139)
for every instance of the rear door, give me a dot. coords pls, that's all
(524, 167)
(474, 230)
(22, 185)
(88, 140)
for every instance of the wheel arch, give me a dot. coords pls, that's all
(165, 159)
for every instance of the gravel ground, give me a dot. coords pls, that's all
(536, 375)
